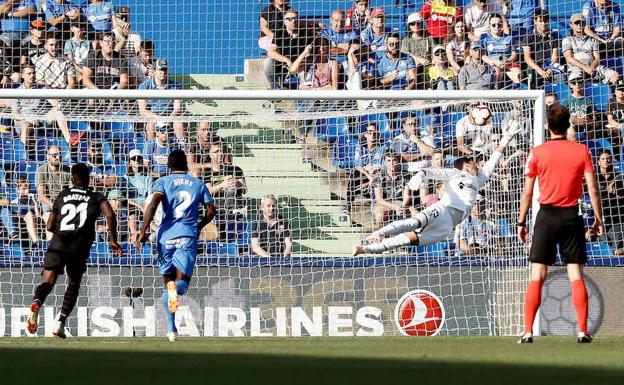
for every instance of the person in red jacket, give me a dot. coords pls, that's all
(440, 16)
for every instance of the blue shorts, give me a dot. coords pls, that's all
(179, 253)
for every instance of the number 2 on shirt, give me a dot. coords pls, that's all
(183, 201)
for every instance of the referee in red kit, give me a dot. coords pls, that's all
(560, 166)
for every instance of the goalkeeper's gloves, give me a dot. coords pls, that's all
(511, 130)
(416, 181)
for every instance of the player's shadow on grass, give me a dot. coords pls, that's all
(176, 365)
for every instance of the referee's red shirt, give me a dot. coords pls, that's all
(559, 166)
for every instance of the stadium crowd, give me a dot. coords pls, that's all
(63, 44)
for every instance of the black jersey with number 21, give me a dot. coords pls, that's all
(76, 211)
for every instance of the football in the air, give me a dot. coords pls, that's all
(481, 115)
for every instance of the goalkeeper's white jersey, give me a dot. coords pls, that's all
(460, 187)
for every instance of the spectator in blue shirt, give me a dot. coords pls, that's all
(156, 151)
(60, 14)
(520, 13)
(396, 69)
(409, 145)
(376, 33)
(500, 51)
(5, 212)
(337, 35)
(16, 18)
(99, 14)
(156, 109)
(604, 23)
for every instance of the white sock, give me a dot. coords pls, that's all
(388, 244)
(401, 226)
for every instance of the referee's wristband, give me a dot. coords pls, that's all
(521, 224)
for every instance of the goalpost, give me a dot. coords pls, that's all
(301, 147)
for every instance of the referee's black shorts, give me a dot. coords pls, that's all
(561, 226)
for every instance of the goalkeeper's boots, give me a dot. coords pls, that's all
(33, 318)
(59, 330)
(172, 292)
(526, 339)
(172, 336)
(584, 338)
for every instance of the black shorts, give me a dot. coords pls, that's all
(558, 226)
(76, 263)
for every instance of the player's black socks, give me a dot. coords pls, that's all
(69, 301)
(41, 292)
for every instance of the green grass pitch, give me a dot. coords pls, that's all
(414, 361)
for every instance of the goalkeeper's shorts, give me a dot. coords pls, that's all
(439, 225)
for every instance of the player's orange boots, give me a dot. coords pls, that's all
(172, 292)
(33, 318)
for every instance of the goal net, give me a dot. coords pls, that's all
(307, 159)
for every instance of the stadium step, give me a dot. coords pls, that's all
(337, 247)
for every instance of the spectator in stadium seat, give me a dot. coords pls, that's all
(409, 145)
(416, 43)
(6, 219)
(458, 47)
(475, 233)
(27, 209)
(541, 51)
(157, 109)
(471, 138)
(501, 51)
(6, 67)
(288, 43)
(16, 17)
(126, 222)
(477, 18)
(103, 176)
(314, 67)
(140, 181)
(156, 151)
(604, 23)
(226, 183)
(361, 67)
(376, 33)
(271, 19)
(358, 17)
(127, 42)
(550, 99)
(583, 55)
(199, 152)
(99, 14)
(388, 190)
(51, 177)
(105, 68)
(368, 161)
(61, 14)
(519, 14)
(141, 67)
(77, 47)
(582, 111)
(37, 106)
(440, 16)
(396, 70)
(439, 75)
(53, 69)
(337, 35)
(612, 198)
(476, 74)
(615, 109)
(32, 47)
(270, 234)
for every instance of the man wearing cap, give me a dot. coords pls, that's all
(60, 14)
(476, 74)
(105, 68)
(16, 16)
(156, 151)
(126, 42)
(33, 45)
(583, 55)
(396, 69)
(337, 35)
(156, 109)
(376, 33)
(77, 47)
(582, 109)
(358, 16)
(541, 50)
(440, 16)
(604, 20)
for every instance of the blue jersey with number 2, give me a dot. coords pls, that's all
(182, 197)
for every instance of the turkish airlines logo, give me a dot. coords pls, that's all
(419, 313)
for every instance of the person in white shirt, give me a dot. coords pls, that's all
(437, 222)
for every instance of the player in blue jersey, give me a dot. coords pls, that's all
(181, 196)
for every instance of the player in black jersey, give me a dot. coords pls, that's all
(72, 223)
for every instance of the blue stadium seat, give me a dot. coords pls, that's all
(597, 145)
(505, 229)
(217, 249)
(599, 250)
(118, 129)
(439, 249)
(449, 123)
(600, 95)
(329, 129)
(28, 170)
(107, 152)
(343, 151)
(12, 150)
(560, 89)
(77, 125)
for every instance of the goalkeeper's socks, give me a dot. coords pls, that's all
(532, 302)
(388, 244)
(41, 292)
(579, 298)
(400, 226)
(171, 328)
